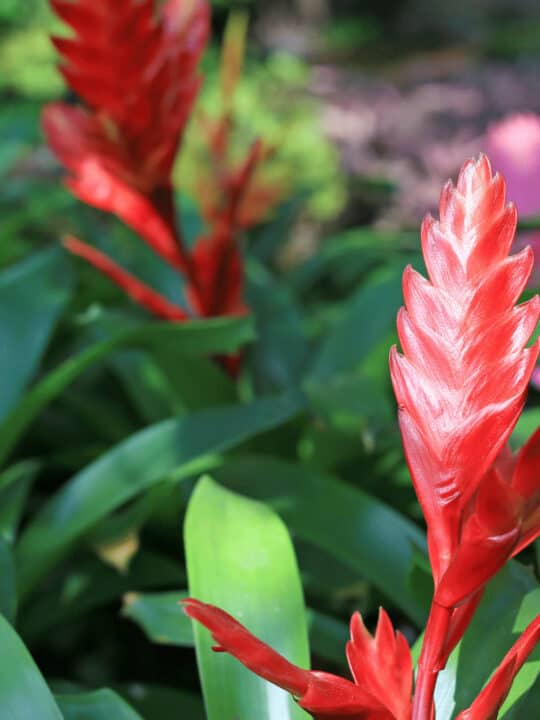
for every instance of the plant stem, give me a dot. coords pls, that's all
(429, 664)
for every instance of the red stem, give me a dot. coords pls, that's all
(429, 664)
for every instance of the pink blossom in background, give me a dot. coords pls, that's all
(513, 145)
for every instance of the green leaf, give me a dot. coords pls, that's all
(163, 703)
(528, 422)
(249, 569)
(348, 255)
(327, 636)
(91, 584)
(15, 485)
(98, 705)
(132, 467)
(510, 602)
(366, 320)
(24, 694)
(361, 531)
(160, 616)
(33, 294)
(220, 335)
(281, 352)
(8, 588)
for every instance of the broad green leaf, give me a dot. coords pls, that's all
(361, 531)
(24, 694)
(132, 467)
(163, 621)
(240, 557)
(365, 321)
(97, 705)
(221, 335)
(510, 602)
(33, 294)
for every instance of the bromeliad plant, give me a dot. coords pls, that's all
(135, 67)
(460, 383)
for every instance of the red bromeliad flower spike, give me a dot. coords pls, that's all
(381, 666)
(490, 700)
(460, 386)
(135, 67)
(137, 71)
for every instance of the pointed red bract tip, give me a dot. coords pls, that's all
(324, 696)
(252, 652)
(381, 664)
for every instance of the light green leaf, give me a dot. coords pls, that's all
(98, 705)
(24, 694)
(132, 467)
(239, 556)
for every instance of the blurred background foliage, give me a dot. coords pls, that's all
(371, 106)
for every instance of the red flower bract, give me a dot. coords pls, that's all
(461, 381)
(134, 63)
(381, 667)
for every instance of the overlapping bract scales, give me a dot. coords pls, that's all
(138, 69)
(461, 380)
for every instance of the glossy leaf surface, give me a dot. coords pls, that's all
(249, 568)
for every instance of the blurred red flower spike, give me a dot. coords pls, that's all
(136, 65)
(138, 291)
(101, 177)
(461, 380)
(490, 700)
(381, 666)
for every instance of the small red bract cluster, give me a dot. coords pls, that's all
(136, 70)
(460, 385)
